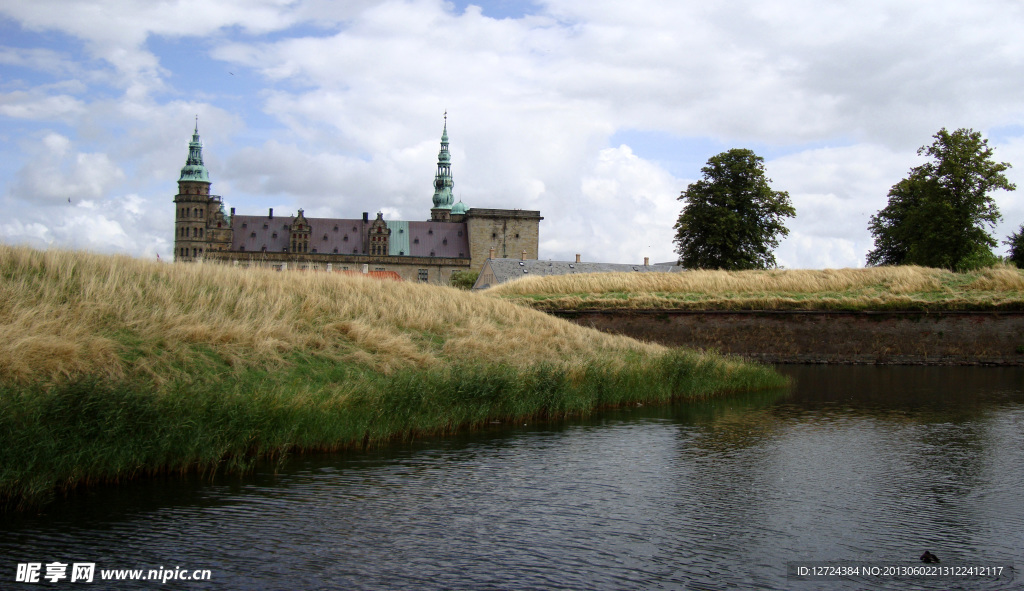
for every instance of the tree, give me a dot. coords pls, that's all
(732, 218)
(940, 215)
(1016, 244)
(463, 279)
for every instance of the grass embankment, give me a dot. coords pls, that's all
(112, 367)
(877, 288)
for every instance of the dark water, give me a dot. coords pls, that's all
(854, 464)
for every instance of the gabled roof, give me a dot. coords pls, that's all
(497, 271)
(348, 236)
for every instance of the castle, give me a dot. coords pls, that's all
(455, 238)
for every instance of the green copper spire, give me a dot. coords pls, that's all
(443, 182)
(194, 169)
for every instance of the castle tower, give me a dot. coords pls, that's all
(199, 221)
(443, 183)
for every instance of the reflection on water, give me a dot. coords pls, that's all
(855, 463)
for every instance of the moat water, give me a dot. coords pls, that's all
(867, 464)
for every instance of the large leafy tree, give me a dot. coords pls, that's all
(732, 218)
(1016, 244)
(942, 213)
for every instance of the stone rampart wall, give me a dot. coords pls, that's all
(936, 338)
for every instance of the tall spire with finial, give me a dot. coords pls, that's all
(443, 182)
(194, 170)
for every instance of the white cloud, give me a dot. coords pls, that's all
(342, 109)
(56, 176)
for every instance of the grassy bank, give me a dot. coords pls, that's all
(878, 288)
(112, 367)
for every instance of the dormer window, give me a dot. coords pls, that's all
(274, 235)
(345, 239)
(335, 251)
(265, 226)
(430, 231)
(415, 240)
(445, 242)
(335, 228)
(244, 225)
(325, 236)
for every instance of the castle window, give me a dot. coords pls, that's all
(195, 232)
(494, 234)
(422, 275)
(193, 253)
(218, 224)
(517, 235)
(242, 248)
(200, 232)
(244, 225)
(200, 213)
(195, 211)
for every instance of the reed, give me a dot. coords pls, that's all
(877, 288)
(112, 368)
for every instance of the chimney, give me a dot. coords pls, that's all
(577, 258)
(366, 267)
(524, 255)
(647, 261)
(232, 212)
(492, 253)
(271, 215)
(366, 216)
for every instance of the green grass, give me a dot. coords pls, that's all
(879, 288)
(113, 368)
(56, 438)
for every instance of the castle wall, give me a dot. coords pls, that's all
(508, 231)
(434, 270)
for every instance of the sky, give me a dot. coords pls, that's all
(598, 113)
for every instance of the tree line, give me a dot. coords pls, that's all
(941, 215)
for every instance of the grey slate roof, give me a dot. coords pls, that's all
(508, 269)
(347, 236)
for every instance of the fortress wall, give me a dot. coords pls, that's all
(935, 338)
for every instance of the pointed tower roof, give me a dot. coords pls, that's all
(194, 170)
(443, 183)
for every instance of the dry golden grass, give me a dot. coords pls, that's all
(64, 314)
(876, 287)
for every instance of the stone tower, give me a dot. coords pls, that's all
(443, 183)
(199, 221)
